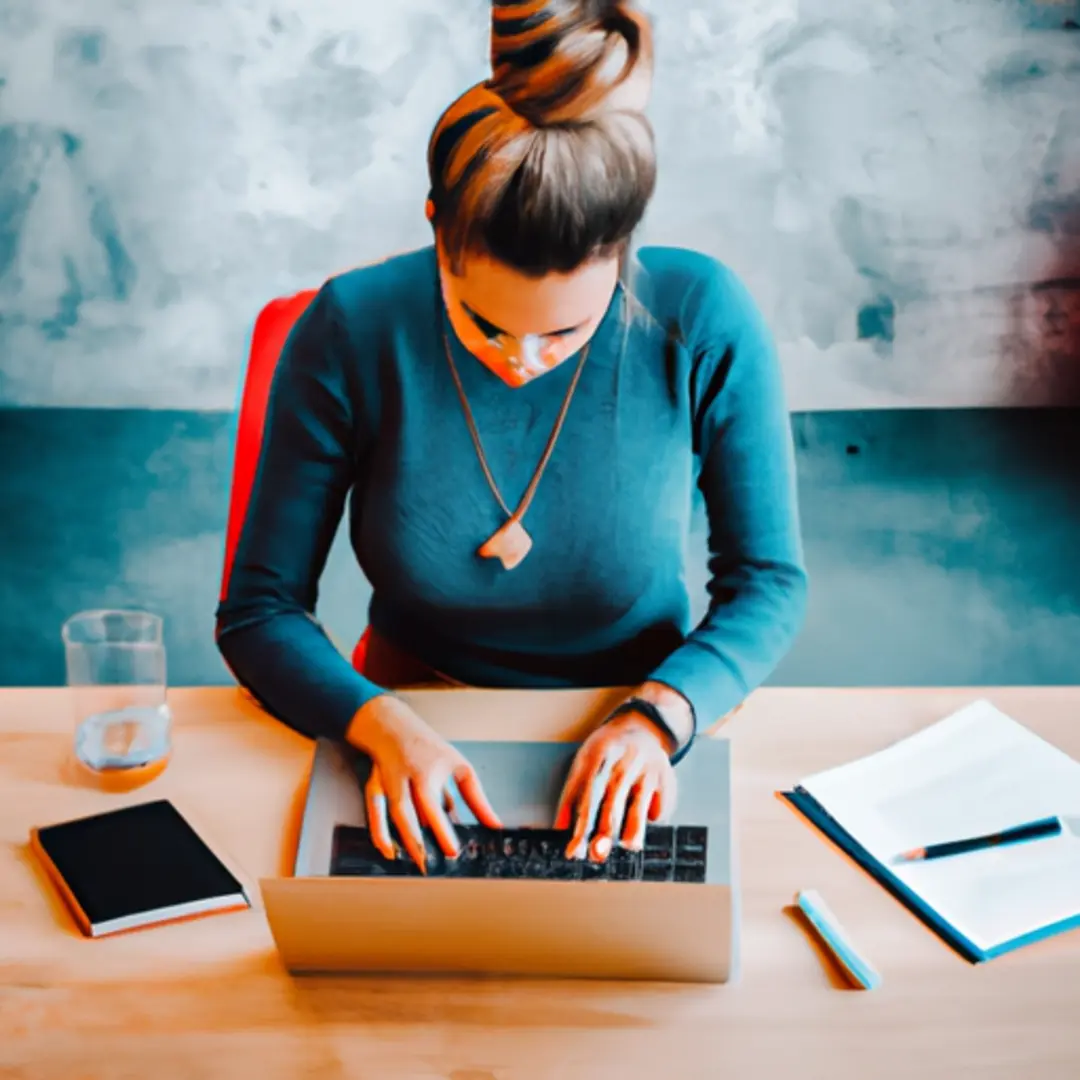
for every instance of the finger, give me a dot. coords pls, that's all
(468, 783)
(403, 812)
(662, 805)
(450, 806)
(571, 788)
(428, 802)
(600, 848)
(375, 807)
(593, 786)
(637, 814)
(624, 775)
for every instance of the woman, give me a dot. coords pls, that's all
(521, 421)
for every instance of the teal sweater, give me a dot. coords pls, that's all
(363, 410)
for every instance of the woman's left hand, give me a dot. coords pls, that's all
(622, 775)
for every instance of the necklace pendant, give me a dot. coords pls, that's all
(509, 545)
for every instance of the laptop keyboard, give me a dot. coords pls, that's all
(671, 853)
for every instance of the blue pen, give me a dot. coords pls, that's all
(833, 936)
(1032, 830)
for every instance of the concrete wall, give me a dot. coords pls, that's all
(898, 180)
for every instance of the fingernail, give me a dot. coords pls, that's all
(602, 847)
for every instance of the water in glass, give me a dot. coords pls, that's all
(116, 671)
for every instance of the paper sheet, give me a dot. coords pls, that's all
(975, 772)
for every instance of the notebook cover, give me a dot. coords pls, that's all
(132, 861)
(812, 810)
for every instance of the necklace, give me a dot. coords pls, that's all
(511, 542)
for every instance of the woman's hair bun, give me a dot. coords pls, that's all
(563, 61)
(551, 161)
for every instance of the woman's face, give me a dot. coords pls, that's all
(521, 327)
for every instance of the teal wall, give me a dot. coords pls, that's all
(942, 544)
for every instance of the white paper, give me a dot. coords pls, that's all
(976, 772)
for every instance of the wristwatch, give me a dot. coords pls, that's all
(652, 712)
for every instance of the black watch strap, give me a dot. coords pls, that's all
(653, 713)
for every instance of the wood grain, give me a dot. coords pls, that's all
(209, 998)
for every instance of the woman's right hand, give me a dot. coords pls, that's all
(411, 769)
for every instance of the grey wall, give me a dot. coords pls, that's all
(899, 180)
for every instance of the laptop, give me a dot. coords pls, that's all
(511, 904)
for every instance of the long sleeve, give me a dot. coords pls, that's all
(742, 432)
(310, 454)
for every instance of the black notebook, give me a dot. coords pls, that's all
(134, 867)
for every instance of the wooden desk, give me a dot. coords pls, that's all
(208, 998)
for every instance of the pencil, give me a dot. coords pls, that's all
(1032, 830)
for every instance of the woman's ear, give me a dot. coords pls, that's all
(429, 210)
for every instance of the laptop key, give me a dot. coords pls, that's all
(690, 873)
(564, 870)
(593, 871)
(656, 871)
(624, 865)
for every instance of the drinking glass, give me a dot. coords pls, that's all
(116, 672)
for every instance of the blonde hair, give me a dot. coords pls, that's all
(552, 161)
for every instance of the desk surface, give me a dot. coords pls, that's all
(209, 998)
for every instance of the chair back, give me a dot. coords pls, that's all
(272, 329)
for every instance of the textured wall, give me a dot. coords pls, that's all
(941, 543)
(899, 181)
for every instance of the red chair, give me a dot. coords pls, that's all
(272, 328)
